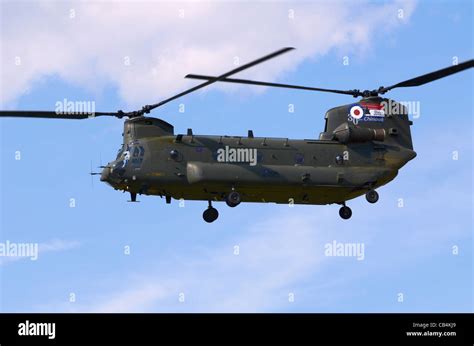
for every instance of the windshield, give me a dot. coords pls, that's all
(120, 152)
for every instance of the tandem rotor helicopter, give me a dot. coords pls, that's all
(362, 147)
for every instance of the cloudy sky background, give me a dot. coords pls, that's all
(80, 51)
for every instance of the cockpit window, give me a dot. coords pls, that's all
(119, 152)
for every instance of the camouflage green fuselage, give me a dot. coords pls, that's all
(154, 161)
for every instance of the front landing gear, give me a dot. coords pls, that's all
(210, 214)
(372, 196)
(345, 212)
(133, 197)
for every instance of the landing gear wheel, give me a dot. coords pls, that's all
(233, 199)
(372, 196)
(210, 214)
(345, 212)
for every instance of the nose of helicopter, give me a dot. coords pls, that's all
(105, 174)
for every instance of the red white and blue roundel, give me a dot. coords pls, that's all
(365, 111)
(356, 112)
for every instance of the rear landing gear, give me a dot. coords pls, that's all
(210, 214)
(372, 196)
(345, 212)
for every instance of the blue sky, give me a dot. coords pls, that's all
(408, 250)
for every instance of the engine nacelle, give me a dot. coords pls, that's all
(351, 134)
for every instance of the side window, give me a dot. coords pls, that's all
(299, 158)
(119, 153)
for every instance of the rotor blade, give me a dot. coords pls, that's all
(277, 85)
(430, 77)
(148, 108)
(54, 115)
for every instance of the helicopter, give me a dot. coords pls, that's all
(362, 147)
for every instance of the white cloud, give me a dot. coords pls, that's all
(89, 50)
(55, 245)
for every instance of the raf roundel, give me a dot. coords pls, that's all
(356, 112)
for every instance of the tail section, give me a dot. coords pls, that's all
(370, 119)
